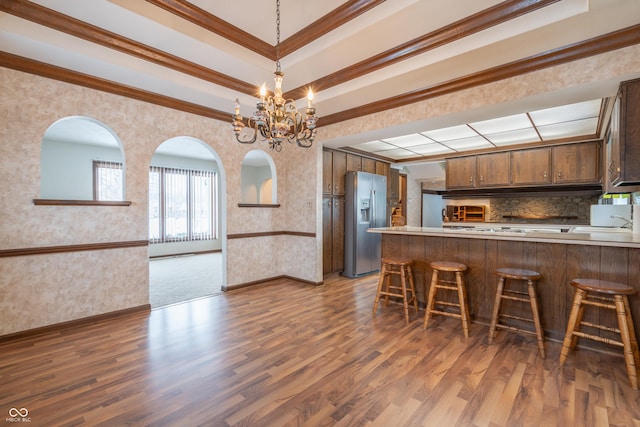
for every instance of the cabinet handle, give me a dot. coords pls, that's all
(545, 174)
(336, 188)
(329, 203)
(481, 178)
(335, 203)
(559, 174)
(470, 179)
(329, 187)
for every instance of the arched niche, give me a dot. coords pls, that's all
(81, 160)
(258, 180)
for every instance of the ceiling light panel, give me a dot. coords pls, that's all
(502, 124)
(468, 143)
(567, 113)
(519, 136)
(431, 149)
(450, 133)
(408, 140)
(374, 146)
(397, 153)
(569, 129)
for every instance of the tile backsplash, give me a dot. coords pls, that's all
(548, 209)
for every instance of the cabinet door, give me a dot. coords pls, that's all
(393, 184)
(381, 168)
(327, 235)
(338, 233)
(613, 145)
(461, 172)
(327, 172)
(339, 171)
(354, 163)
(368, 165)
(493, 170)
(576, 163)
(629, 138)
(531, 167)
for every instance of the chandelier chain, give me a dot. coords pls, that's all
(277, 35)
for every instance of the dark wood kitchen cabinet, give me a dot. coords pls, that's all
(531, 167)
(332, 234)
(493, 170)
(623, 147)
(576, 163)
(354, 163)
(334, 168)
(368, 165)
(461, 172)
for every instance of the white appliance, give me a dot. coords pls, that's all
(611, 215)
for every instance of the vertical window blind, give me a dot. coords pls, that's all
(108, 183)
(182, 205)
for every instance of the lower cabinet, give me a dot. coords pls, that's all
(332, 234)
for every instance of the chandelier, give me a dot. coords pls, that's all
(277, 119)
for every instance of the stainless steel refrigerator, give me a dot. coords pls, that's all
(365, 207)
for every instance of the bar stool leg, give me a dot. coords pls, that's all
(403, 286)
(626, 341)
(536, 317)
(570, 340)
(383, 273)
(464, 309)
(413, 290)
(632, 333)
(431, 300)
(496, 310)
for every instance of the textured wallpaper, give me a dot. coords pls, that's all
(41, 290)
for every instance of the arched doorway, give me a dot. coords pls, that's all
(187, 223)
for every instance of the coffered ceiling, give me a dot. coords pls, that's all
(359, 56)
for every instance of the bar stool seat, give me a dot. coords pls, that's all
(503, 292)
(387, 288)
(438, 281)
(607, 295)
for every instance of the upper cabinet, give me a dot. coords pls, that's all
(576, 163)
(559, 165)
(354, 163)
(334, 168)
(623, 146)
(461, 172)
(486, 170)
(531, 167)
(493, 170)
(368, 165)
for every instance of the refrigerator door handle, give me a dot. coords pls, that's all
(372, 222)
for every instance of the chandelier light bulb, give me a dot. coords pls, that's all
(309, 98)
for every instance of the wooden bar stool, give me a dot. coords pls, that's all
(400, 267)
(517, 295)
(609, 295)
(439, 282)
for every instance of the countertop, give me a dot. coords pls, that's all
(618, 238)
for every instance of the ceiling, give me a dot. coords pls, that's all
(359, 57)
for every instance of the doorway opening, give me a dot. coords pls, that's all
(187, 257)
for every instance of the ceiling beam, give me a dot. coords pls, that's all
(74, 27)
(608, 42)
(26, 65)
(465, 27)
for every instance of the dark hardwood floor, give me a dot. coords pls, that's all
(289, 354)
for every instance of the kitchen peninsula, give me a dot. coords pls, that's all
(558, 256)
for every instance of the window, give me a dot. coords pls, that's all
(107, 181)
(182, 205)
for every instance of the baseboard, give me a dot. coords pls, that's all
(268, 281)
(74, 323)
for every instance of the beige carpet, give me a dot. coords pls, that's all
(182, 278)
